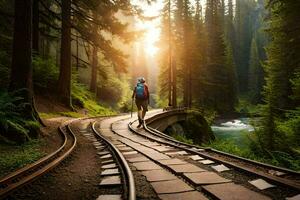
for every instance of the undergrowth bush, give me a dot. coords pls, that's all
(245, 107)
(14, 157)
(290, 129)
(83, 98)
(254, 151)
(15, 126)
(45, 73)
(182, 138)
(286, 132)
(115, 91)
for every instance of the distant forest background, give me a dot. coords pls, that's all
(228, 57)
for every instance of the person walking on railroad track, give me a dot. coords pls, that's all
(141, 95)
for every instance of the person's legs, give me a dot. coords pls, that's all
(139, 112)
(145, 109)
(140, 115)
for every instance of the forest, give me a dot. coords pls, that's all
(219, 57)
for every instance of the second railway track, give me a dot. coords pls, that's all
(113, 138)
(286, 180)
(273, 173)
(29, 173)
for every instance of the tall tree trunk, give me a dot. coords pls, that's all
(174, 85)
(186, 88)
(170, 56)
(64, 82)
(94, 73)
(35, 26)
(190, 87)
(21, 67)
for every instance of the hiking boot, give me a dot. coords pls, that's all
(139, 126)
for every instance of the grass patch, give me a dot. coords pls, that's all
(279, 159)
(61, 114)
(17, 156)
(83, 99)
(182, 138)
(86, 105)
(94, 109)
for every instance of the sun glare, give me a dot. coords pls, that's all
(151, 27)
(150, 39)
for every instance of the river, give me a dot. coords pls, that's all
(235, 130)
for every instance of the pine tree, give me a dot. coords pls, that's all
(216, 71)
(164, 78)
(200, 56)
(231, 94)
(178, 48)
(229, 27)
(244, 33)
(282, 66)
(187, 53)
(255, 71)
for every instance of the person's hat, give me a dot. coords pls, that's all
(141, 80)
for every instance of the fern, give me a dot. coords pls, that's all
(11, 119)
(45, 73)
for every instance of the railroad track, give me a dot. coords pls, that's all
(27, 174)
(109, 150)
(152, 150)
(278, 175)
(106, 148)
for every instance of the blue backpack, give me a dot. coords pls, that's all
(141, 91)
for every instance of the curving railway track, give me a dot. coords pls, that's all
(118, 162)
(110, 156)
(31, 172)
(175, 170)
(184, 161)
(275, 174)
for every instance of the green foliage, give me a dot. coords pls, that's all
(182, 138)
(231, 94)
(246, 107)
(11, 120)
(115, 91)
(290, 129)
(255, 82)
(281, 91)
(59, 114)
(231, 147)
(208, 114)
(17, 156)
(253, 151)
(160, 102)
(296, 86)
(197, 127)
(45, 73)
(83, 98)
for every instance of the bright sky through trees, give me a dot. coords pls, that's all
(151, 27)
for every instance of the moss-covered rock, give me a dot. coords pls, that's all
(194, 127)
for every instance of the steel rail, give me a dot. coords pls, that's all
(187, 147)
(131, 195)
(32, 171)
(160, 134)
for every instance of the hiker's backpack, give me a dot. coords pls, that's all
(141, 92)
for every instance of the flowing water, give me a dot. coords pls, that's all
(234, 130)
